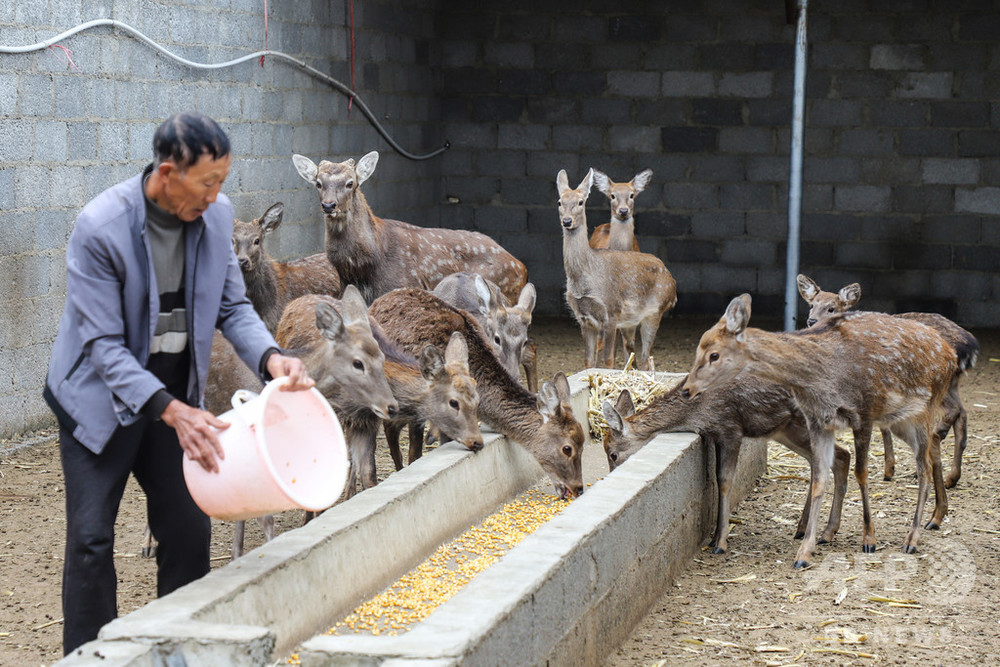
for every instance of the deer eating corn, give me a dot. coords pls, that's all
(422, 590)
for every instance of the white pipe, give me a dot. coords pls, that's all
(795, 177)
(229, 63)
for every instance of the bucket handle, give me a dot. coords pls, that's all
(240, 398)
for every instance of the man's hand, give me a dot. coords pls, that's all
(279, 365)
(196, 431)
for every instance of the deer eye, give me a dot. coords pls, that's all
(567, 450)
(631, 195)
(349, 185)
(256, 241)
(714, 356)
(357, 364)
(830, 309)
(580, 203)
(496, 339)
(614, 456)
(318, 184)
(453, 403)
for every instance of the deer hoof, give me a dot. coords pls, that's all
(799, 534)
(822, 540)
(867, 548)
(718, 550)
(950, 483)
(932, 525)
(800, 564)
(909, 549)
(886, 478)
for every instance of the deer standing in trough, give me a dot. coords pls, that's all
(619, 234)
(745, 407)
(852, 369)
(379, 254)
(543, 424)
(271, 284)
(506, 326)
(826, 304)
(608, 290)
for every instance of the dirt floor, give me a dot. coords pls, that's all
(939, 606)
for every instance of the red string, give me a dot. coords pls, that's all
(350, 100)
(68, 57)
(265, 33)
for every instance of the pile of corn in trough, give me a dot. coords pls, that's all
(432, 583)
(642, 385)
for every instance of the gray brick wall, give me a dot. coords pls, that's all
(66, 134)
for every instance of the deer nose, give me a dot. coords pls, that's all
(811, 321)
(567, 222)
(623, 212)
(329, 207)
(686, 393)
(244, 263)
(392, 411)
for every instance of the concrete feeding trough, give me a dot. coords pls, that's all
(570, 593)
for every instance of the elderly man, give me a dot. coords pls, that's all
(150, 275)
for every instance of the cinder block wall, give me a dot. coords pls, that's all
(67, 133)
(902, 156)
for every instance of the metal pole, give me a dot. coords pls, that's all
(795, 177)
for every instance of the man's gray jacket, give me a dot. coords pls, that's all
(97, 377)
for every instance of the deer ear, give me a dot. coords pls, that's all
(484, 295)
(624, 404)
(738, 315)
(271, 219)
(306, 167)
(641, 180)
(431, 363)
(562, 182)
(457, 351)
(561, 384)
(548, 401)
(353, 306)
(366, 167)
(850, 295)
(587, 183)
(328, 321)
(526, 300)
(808, 289)
(611, 416)
(602, 182)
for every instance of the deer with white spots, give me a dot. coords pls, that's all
(619, 234)
(827, 304)
(379, 255)
(609, 290)
(852, 369)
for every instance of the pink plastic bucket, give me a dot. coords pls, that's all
(284, 450)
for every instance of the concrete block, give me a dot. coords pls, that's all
(960, 114)
(748, 196)
(923, 199)
(747, 85)
(8, 93)
(509, 54)
(729, 280)
(618, 56)
(634, 139)
(65, 186)
(837, 113)
(35, 96)
(690, 196)
(831, 170)
(7, 188)
(32, 187)
(17, 140)
(978, 143)
(113, 137)
(52, 228)
(522, 137)
(907, 57)
(830, 227)
(746, 140)
(867, 141)
(140, 140)
(695, 27)
(569, 28)
(978, 200)
(861, 198)
(81, 140)
(22, 242)
(748, 252)
(717, 168)
(726, 57)
(864, 255)
(495, 220)
(689, 139)
(771, 113)
(762, 168)
(687, 84)
(927, 85)
(634, 84)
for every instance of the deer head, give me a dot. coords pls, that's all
(573, 202)
(825, 304)
(336, 181)
(619, 441)
(622, 195)
(454, 399)
(559, 442)
(248, 238)
(722, 352)
(506, 327)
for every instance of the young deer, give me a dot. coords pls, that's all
(608, 290)
(852, 369)
(745, 407)
(619, 234)
(544, 424)
(271, 284)
(506, 326)
(826, 304)
(379, 255)
(438, 388)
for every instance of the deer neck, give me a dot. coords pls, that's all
(578, 256)
(668, 413)
(622, 233)
(262, 290)
(511, 410)
(409, 388)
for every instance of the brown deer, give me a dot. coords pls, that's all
(852, 369)
(619, 234)
(437, 388)
(506, 326)
(379, 255)
(826, 304)
(543, 424)
(609, 290)
(745, 407)
(271, 284)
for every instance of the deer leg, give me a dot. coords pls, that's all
(239, 532)
(799, 443)
(416, 432)
(590, 341)
(940, 494)
(647, 330)
(726, 457)
(609, 333)
(820, 463)
(148, 543)
(889, 461)
(841, 466)
(266, 523)
(922, 453)
(862, 441)
(363, 442)
(628, 344)
(960, 423)
(529, 362)
(392, 439)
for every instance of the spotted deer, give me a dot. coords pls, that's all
(506, 326)
(438, 387)
(379, 255)
(851, 369)
(543, 424)
(745, 407)
(609, 290)
(825, 304)
(619, 234)
(271, 284)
